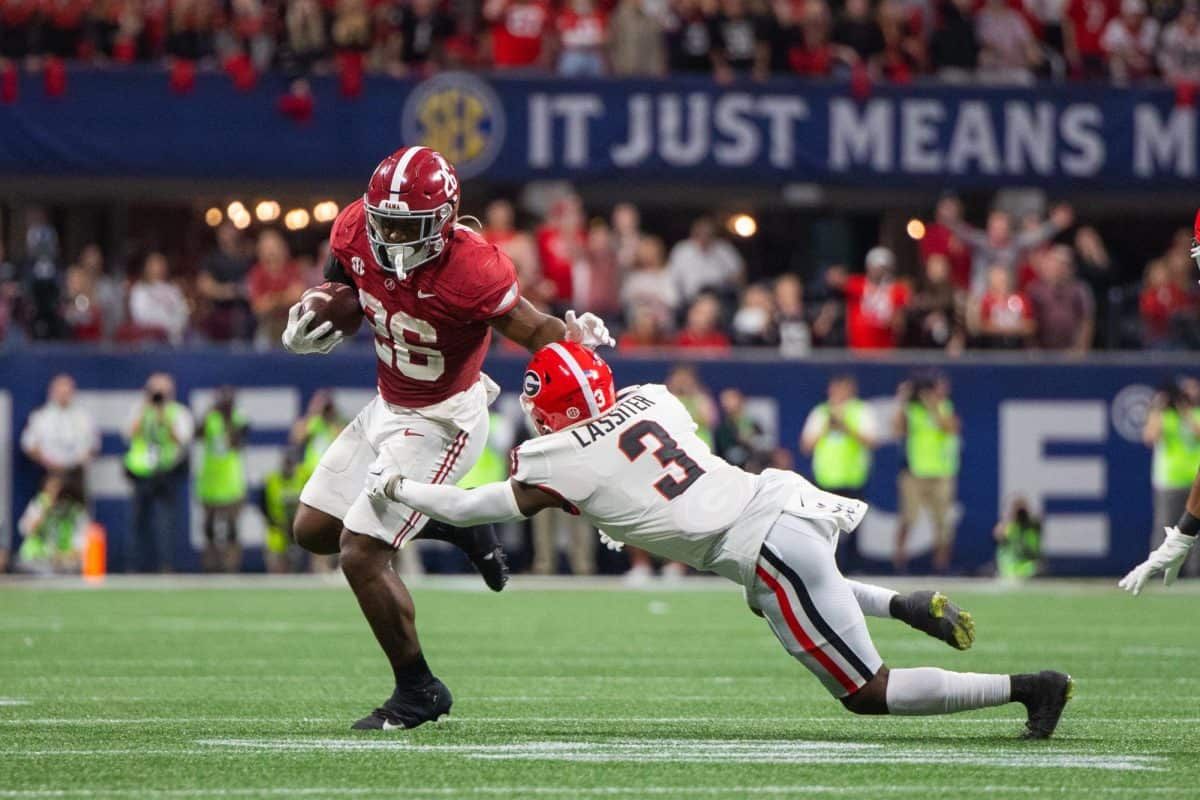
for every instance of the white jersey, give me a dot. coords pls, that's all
(642, 475)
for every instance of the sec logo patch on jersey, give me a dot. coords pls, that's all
(357, 266)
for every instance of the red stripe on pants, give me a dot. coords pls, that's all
(448, 462)
(793, 624)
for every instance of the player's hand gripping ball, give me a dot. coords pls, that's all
(325, 315)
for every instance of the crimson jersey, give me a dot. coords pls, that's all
(431, 329)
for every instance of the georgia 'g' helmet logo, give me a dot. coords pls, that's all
(532, 384)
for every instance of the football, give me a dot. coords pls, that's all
(336, 303)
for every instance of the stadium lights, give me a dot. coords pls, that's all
(235, 209)
(213, 217)
(267, 211)
(296, 219)
(325, 211)
(915, 229)
(240, 221)
(743, 225)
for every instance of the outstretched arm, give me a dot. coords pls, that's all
(503, 501)
(533, 330)
(1168, 558)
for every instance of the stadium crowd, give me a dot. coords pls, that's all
(1018, 282)
(896, 40)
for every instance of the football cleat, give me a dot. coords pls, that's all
(936, 615)
(482, 546)
(1047, 696)
(409, 709)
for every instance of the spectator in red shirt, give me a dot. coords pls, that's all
(273, 285)
(875, 303)
(81, 312)
(560, 243)
(1163, 301)
(941, 240)
(1083, 28)
(701, 331)
(518, 28)
(583, 38)
(1002, 318)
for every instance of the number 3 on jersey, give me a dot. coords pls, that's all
(668, 453)
(399, 338)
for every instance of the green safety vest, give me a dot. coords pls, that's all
(319, 434)
(491, 467)
(932, 452)
(1177, 454)
(56, 534)
(222, 479)
(1017, 555)
(839, 460)
(281, 498)
(152, 450)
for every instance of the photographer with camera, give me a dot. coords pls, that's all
(840, 435)
(158, 433)
(925, 419)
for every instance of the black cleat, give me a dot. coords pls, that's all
(410, 709)
(933, 613)
(1044, 695)
(481, 545)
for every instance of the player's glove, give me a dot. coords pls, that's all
(588, 330)
(297, 338)
(382, 483)
(611, 543)
(1167, 558)
(1195, 252)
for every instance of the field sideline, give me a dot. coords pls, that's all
(568, 690)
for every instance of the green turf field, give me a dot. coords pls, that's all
(570, 694)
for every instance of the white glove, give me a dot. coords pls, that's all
(611, 543)
(1168, 558)
(588, 330)
(381, 483)
(298, 339)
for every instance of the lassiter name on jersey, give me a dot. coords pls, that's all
(624, 411)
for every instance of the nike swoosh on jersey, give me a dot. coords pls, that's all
(425, 295)
(411, 432)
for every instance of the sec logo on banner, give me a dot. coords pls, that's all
(458, 115)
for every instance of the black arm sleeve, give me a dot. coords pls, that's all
(335, 272)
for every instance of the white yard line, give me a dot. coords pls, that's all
(13, 701)
(712, 751)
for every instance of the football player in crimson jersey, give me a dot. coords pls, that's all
(632, 465)
(433, 291)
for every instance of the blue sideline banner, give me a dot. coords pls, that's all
(123, 122)
(1066, 436)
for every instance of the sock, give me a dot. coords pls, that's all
(875, 601)
(929, 690)
(414, 674)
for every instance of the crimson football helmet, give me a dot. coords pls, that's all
(565, 384)
(411, 205)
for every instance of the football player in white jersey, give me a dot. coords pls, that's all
(634, 467)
